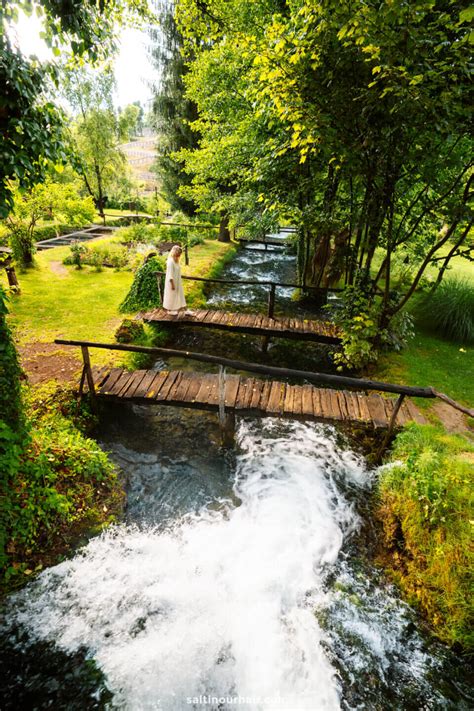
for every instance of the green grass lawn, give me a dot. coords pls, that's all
(64, 302)
(430, 360)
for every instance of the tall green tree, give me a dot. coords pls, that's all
(348, 123)
(31, 125)
(173, 112)
(95, 132)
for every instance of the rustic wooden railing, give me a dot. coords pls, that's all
(273, 285)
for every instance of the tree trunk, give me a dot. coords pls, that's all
(224, 233)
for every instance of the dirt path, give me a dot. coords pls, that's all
(47, 361)
(451, 419)
(58, 268)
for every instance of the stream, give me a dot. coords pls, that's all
(236, 579)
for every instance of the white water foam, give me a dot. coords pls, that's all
(222, 603)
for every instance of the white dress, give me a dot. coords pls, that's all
(173, 299)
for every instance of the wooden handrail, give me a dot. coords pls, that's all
(337, 380)
(257, 283)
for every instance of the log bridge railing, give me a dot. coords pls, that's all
(227, 421)
(272, 286)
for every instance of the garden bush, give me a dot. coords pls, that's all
(98, 256)
(144, 292)
(425, 508)
(129, 331)
(449, 310)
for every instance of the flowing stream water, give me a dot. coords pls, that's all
(237, 579)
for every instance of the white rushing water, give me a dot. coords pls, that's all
(218, 604)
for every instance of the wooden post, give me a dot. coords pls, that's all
(186, 255)
(265, 342)
(12, 278)
(391, 425)
(89, 376)
(81, 385)
(228, 430)
(271, 301)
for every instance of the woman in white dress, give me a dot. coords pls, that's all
(173, 297)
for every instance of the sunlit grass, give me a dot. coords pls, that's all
(64, 302)
(429, 360)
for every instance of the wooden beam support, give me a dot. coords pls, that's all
(89, 376)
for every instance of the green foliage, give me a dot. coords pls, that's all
(95, 134)
(173, 111)
(52, 476)
(46, 201)
(97, 256)
(144, 290)
(129, 331)
(32, 127)
(362, 336)
(140, 232)
(10, 373)
(449, 310)
(128, 122)
(323, 113)
(425, 507)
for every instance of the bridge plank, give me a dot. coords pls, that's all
(289, 399)
(139, 375)
(180, 392)
(111, 379)
(251, 394)
(298, 399)
(307, 404)
(155, 385)
(123, 378)
(168, 386)
(125, 388)
(341, 400)
(277, 398)
(257, 391)
(265, 395)
(193, 389)
(334, 404)
(377, 410)
(143, 387)
(202, 394)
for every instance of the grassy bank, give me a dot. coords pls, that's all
(59, 486)
(64, 302)
(425, 509)
(431, 360)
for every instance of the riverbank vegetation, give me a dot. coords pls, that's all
(56, 483)
(425, 509)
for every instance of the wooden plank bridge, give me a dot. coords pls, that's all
(242, 395)
(254, 324)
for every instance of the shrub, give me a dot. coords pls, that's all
(144, 292)
(98, 256)
(129, 331)
(449, 310)
(10, 371)
(54, 478)
(425, 507)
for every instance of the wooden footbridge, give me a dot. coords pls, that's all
(250, 396)
(254, 324)
(267, 325)
(234, 394)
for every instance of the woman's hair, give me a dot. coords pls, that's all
(176, 249)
